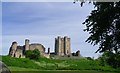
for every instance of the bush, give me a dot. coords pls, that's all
(28, 53)
(89, 58)
(35, 54)
(110, 58)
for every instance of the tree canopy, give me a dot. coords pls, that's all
(103, 25)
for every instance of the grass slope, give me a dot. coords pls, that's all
(29, 70)
(24, 64)
(20, 62)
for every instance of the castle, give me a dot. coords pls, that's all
(19, 51)
(62, 48)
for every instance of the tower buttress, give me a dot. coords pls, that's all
(59, 45)
(67, 48)
(62, 47)
(13, 49)
(56, 46)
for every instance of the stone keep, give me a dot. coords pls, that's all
(62, 46)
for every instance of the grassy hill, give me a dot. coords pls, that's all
(24, 64)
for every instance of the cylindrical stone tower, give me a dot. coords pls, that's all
(27, 44)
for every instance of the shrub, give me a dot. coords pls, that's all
(89, 58)
(110, 58)
(28, 53)
(35, 54)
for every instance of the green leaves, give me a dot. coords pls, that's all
(103, 25)
(28, 53)
(35, 54)
(109, 58)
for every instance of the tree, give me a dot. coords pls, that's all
(103, 25)
(35, 54)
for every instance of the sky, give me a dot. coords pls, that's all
(42, 22)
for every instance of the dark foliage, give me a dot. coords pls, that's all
(89, 58)
(103, 26)
(35, 54)
(111, 59)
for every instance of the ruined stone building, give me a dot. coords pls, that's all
(19, 51)
(62, 46)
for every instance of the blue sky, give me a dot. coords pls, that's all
(42, 22)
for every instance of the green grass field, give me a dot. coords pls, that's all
(28, 70)
(44, 65)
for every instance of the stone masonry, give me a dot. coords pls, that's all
(19, 51)
(62, 46)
